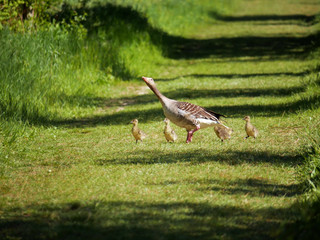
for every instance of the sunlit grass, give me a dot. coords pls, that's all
(80, 174)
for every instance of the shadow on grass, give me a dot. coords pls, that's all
(257, 188)
(190, 94)
(248, 187)
(237, 75)
(232, 93)
(140, 220)
(270, 110)
(202, 156)
(247, 46)
(299, 19)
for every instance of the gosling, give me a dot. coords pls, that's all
(222, 132)
(136, 132)
(169, 133)
(251, 130)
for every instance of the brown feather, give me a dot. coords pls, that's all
(198, 112)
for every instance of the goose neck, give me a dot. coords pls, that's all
(161, 97)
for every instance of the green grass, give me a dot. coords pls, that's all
(79, 174)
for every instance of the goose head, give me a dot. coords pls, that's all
(149, 81)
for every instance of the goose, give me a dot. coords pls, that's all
(137, 132)
(223, 132)
(184, 114)
(251, 130)
(169, 133)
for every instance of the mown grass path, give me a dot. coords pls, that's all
(88, 179)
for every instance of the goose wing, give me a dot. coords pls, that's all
(198, 112)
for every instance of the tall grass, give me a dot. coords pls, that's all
(47, 75)
(310, 170)
(33, 73)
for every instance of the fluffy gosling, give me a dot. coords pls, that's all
(222, 132)
(169, 133)
(251, 130)
(137, 132)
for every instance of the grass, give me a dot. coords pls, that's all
(80, 174)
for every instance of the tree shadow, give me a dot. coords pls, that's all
(140, 220)
(251, 187)
(233, 93)
(248, 46)
(299, 19)
(237, 75)
(147, 157)
(270, 110)
(257, 188)
(181, 93)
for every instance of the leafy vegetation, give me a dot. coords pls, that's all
(69, 166)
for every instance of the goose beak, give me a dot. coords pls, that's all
(145, 79)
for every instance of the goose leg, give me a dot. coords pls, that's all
(190, 134)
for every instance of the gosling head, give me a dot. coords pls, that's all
(166, 121)
(230, 131)
(134, 121)
(247, 118)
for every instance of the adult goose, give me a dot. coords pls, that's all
(184, 114)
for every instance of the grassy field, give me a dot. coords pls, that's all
(80, 175)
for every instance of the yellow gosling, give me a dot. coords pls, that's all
(136, 132)
(222, 132)
(169, 133)
(251, 130)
